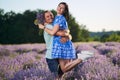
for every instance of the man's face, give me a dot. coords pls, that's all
(48, 17)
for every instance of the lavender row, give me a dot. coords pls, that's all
(27, 62)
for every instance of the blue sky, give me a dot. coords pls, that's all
(95, 14)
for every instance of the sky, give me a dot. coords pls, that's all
(97, 15)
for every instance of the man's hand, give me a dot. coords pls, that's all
(62, 33)
(64, 39)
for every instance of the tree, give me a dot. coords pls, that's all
(18, 28)
(104, 37)
(74, 29)
(1, 25)
(114, 37)
(84, 33)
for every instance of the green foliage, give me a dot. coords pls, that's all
(84, 35)
(18, 28)
(114, 37)
(74, 28)
(96, 38)
(118, 33)
(78, 32)
(104, 38)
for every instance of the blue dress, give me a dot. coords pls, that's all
(62, 50)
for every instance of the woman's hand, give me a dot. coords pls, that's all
(41, 26)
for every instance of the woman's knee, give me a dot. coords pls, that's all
(63, 63)
(63, 70)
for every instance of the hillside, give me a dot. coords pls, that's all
(92, 34)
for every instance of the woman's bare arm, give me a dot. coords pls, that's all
(54, 31)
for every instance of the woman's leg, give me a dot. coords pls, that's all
(67, 64)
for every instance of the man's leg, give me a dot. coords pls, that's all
(54, 67)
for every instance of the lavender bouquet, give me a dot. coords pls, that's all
(39, 18)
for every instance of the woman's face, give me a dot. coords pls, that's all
(60, 9)
(48, 17)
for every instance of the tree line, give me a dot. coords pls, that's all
(17, 28)
(106, 36)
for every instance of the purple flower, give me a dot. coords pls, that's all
(39, 18)
(116, 58)
(99, 68)
(23, 62)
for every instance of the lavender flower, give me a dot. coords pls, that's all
(112, 43)
(107, 49)
(85, 47)
(98, 68)
(23, 62)
(39, 18)
(116, 58)
(39, 71)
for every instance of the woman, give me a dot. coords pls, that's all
(64, 52)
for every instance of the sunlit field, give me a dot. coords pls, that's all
(27, 62)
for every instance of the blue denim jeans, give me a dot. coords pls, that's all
(53, 66)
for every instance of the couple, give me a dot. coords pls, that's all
(60, 51)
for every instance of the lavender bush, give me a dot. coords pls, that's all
(39, 18)
(97, 68)
(85, 47)
(115, 57)
(106, 50)
(112, 43)
(39, 71)
(27, 62)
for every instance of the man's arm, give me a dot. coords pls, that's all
(61, 33)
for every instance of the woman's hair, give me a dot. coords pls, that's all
(66, 12)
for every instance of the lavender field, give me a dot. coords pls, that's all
(27, 62)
